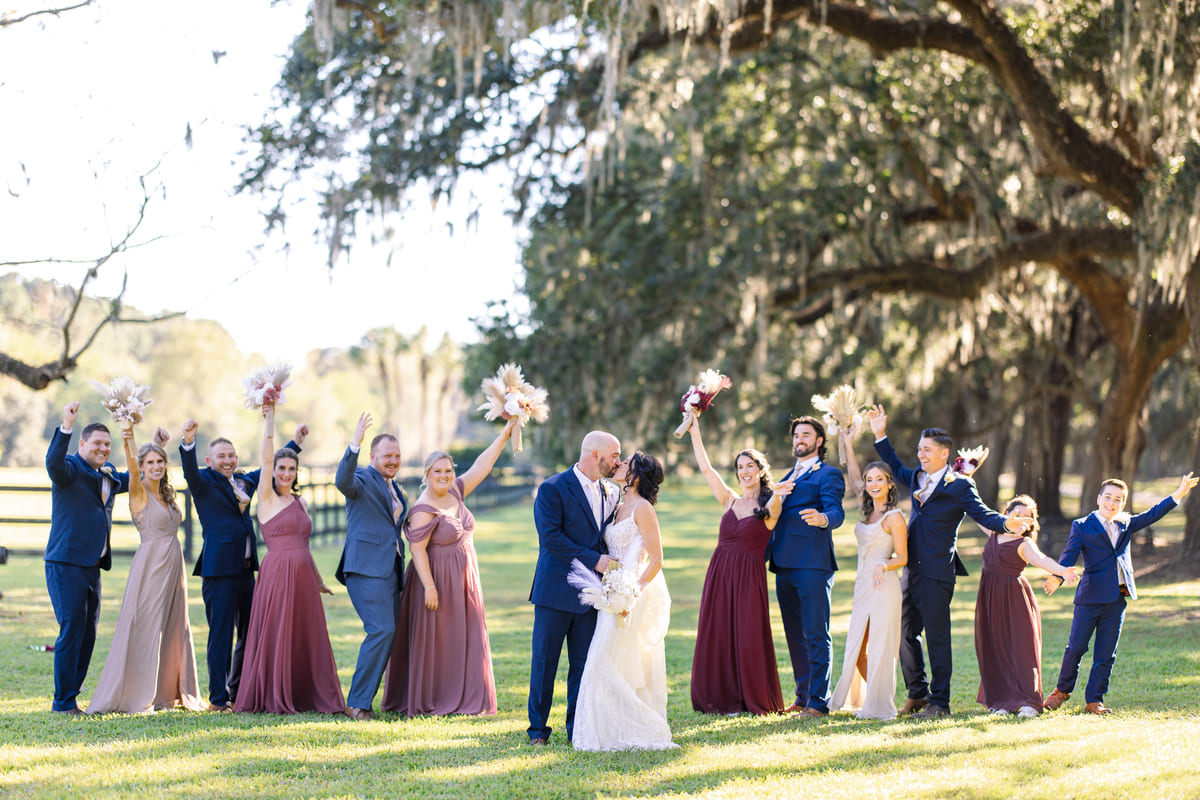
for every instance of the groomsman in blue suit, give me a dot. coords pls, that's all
(83, 488)
(941, 498)
(1102, 538)
(571, 511)
(801, 553)
(229, 556)
(372, 563)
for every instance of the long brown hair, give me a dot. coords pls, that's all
(764, 480)
(165, 490)
(893, 495)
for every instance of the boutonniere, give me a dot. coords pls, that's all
(107, 471)
(951, 476)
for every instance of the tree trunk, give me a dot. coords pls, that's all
(1191, 528)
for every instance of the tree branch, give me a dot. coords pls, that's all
(4, 21)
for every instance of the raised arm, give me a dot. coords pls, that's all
(647, 523)
(268, 458)
(725, 496)
(137, 492)
(344, 478)
(846, 442)
(57, 466)
(487, 459)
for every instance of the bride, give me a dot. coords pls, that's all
(623, 693)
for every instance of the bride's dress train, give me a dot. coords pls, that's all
(622, 701)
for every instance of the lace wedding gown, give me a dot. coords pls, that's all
(623, 693)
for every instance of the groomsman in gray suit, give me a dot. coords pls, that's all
(372, 564)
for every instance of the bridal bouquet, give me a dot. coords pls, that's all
(699, 397)
(615, 593)
(842, 412)
(124, 399)
(264, 385)
(970, 460)
(507, 394)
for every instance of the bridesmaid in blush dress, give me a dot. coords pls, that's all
(867, 685)
(151, 664)
(1008, 622)
(733, 668)
(289, 664)
(441, 661)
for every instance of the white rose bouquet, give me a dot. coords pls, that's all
(265, 384)
(699, 396)
(508, 394)
(124, 399)
(616, 593)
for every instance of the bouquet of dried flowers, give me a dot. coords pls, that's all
(124, 399)
(970, 460)
(265, 384)
(842, 411)
(508, 394)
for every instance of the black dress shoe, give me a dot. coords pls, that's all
(932, 711)
(537, 741)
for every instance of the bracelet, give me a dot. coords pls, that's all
(430, 586)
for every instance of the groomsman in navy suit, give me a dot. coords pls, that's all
(571, 511)
(1102, 538)
(228, 557)
(83, 488)
(801, 553)
(941, 498)
(372, 563)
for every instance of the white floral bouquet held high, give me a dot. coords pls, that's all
(508, 394)
(699, 397)
(970, 460)
(265, 384)
(842, 411)
(124, 399)
(616, 593)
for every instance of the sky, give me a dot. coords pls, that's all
(97, 97)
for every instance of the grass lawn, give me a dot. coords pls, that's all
(1143, 751)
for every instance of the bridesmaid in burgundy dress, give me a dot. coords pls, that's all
(1008, 623)
(289, 664)
(442, 661)
(733, 669)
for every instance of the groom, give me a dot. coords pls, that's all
(571, 511)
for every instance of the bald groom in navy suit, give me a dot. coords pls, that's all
(571, 511)
(83, 488)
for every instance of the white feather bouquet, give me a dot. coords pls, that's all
(124, 399)
(508, 394)
(699, 397)
(842, 411)
(616, 593)
(970, 459)
(265, 384)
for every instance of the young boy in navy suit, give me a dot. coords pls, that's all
(1102, 538)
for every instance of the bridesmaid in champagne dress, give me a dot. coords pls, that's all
(151, 664)
(289, 664)
(733, 668)
(867, 685)
(441, 661)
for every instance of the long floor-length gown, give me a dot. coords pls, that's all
(441, 662)
(733, 668)
(289, 666)
(1008, 630)
(152, 664)
(622, 701)
(874, 613)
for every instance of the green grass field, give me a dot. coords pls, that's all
(1143, 751)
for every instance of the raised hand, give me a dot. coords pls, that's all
(161, 436)
(70, 412)
(783, 488)
(360, 430)
(1186, 484)
(189, 431)
(301, 433)
(877, 417)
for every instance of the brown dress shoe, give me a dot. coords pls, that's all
(932, 711)
(809, 711)
(913, 704)
(793, 708)
(358, 713)
(220, 708)
(537, 741)
(70, 712)
(1054, 700)
(1097, 708)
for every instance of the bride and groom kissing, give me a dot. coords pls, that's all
(600, 512)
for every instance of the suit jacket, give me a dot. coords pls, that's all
(933, 525)
(794, 543)
(1100, 582)
(80, 520)
(372, 533)
(224, 526)
(567, 530)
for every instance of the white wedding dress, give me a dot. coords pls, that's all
(622, 701)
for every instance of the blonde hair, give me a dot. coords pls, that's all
(430, 460)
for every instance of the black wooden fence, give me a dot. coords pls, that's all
(326, 507)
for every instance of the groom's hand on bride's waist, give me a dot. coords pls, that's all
(602, 564)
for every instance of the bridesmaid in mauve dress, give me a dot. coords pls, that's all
(1008, 622)
(734, 669)
(151, 664)
(289, 666)
(441, 662)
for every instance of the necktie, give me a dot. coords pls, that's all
(397, 508)
(243, 499)
(595, 501)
